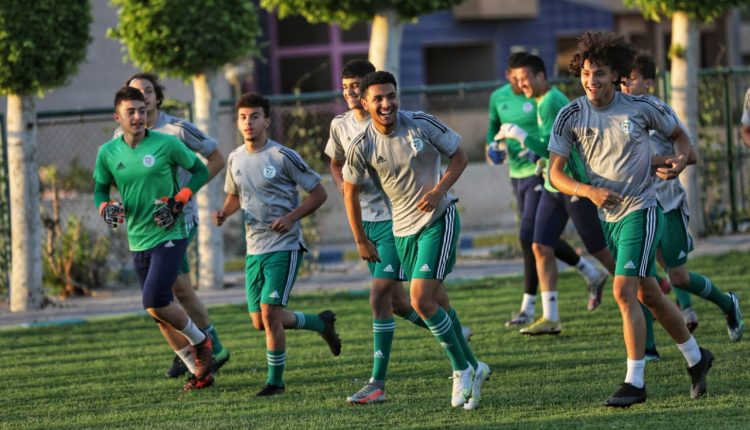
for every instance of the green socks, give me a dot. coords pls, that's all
(649, 317)
(702, 286)
(458, 330)
(414, 318)
(382, 340)
(309, 322)
(441, 327)
(276, 361)
(217, 346)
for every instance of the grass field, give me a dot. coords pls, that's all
(109, 373)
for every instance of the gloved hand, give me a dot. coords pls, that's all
(112, 213)
(168, 208)
(541, 167)
(512, 131)
(496, 153)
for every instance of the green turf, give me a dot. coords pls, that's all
(109, 374)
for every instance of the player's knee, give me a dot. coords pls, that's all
(257, 323)
(679, 278)
(424, 306)
(182, 289)
(623, 295)
(540, 250)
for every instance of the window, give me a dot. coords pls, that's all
(296, 31)
(459, 63)
(310, 74)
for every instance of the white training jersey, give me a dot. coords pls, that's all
(266, 182)
(344, 128)
(614, 144)
(405, 165)
(746, 109)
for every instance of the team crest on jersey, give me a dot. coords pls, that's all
(417, 144)
(527, 107)
(626, 126)
(269, 172)
(149, 160)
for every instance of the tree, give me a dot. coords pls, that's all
(193, 41)
(683, 52)
(41, 44)
(387, 17)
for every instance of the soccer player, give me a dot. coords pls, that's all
(401, 151)
(512, 118)
(198, 142)
(676, 243)
(262, 179)
(554, 207)
(143, 164)
(610, 132)
(387, 295)
(746, 119)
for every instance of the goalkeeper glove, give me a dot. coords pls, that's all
(496, 153)
(169, 208)
(112, 213)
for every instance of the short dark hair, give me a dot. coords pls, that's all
(608, 49)
(154, 79)
(378, 78)
(126, 94)
(645, 65)
(534, 63)
(251, 100)
(515, 59)
(357, 69)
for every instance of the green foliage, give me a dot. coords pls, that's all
(702, 10)
(347, 12)
(41, 43)
(184, 38)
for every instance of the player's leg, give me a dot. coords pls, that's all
(527, 194)
(551, 219)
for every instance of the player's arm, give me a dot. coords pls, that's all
(682, 148)
(365, 247)
(494, 122)
(456, 166)
(602, 197)
(231, 205)
(746, 135)
(336, 168)
(315, 199)
(214, 163)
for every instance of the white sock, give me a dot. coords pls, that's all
(587, 269)
(634, 376)
(549, 305)
(691, 351)
(527, 304)
(192, 334)
(186, 354)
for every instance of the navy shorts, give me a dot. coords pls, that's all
(157, 270)
(527, 191)
(552, 216)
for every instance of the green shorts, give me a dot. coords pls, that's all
(185, 263)
(380, 234)
(632, 241)
(676, 242)
(269, 278)
(431, 253)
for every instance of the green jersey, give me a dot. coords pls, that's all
(547, 108)
(509, 107)
(142, 175)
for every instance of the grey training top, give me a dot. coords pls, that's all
(194, 139)
(670, 193)
(266, 182)
(746, 109)
(405, 165)
(614, 143)
(375, 207)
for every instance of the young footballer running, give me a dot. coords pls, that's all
(198, 142)
(676, 242)
(262, 180)
(143, 165)
(513, 120)
(387, 295)
(556, 208)
(610, 132)
(401, 151)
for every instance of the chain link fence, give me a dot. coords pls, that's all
(70, 140)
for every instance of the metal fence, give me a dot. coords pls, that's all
(69, 140)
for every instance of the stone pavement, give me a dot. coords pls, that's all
(346, 276)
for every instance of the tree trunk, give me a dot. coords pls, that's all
(26, 290)
(385, 41)
(684, 100)
(211, 196)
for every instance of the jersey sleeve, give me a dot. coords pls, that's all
(355, 168)
(440, 135)
(298, 170)
(334, 149)
(658, 117)
(746, 109)
(195, 139)
(230, 184)
(672, 113)
(547, 112)
(102, 174)
(494, 119)
(180, 154)
(563, 136)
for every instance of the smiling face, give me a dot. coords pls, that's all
(381, 102)
(352, 92)
(636, 84)
(532, 85)
(599, 83)
(131, 116)
(252, 123)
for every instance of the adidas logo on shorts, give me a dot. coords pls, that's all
(630, 265)
(274, 295)
(388, 269)
(424, 268)
(378, 354)
(682, 254)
